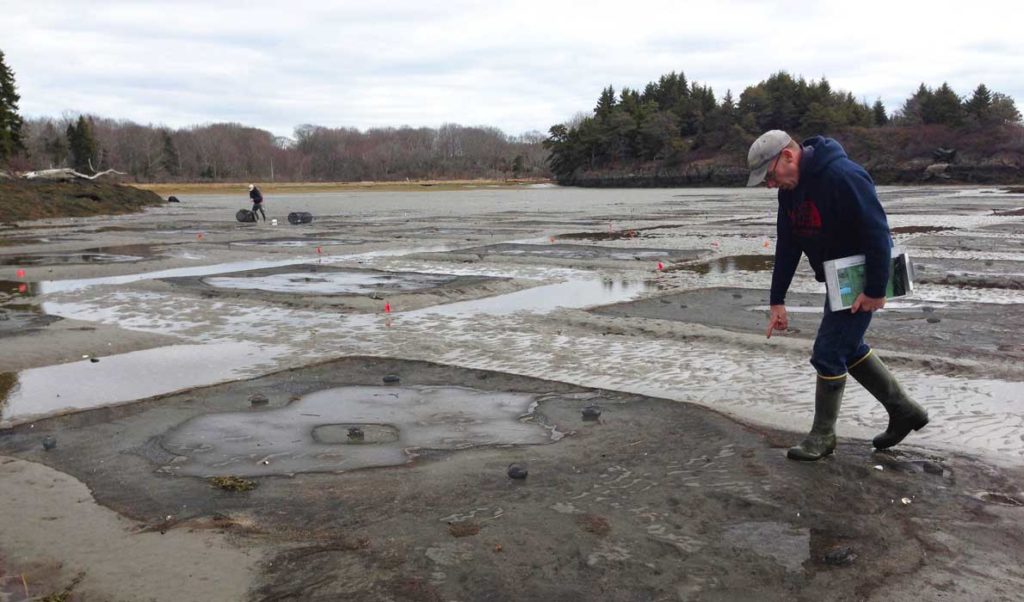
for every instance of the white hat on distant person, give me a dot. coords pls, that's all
(762, 152)
(252, 187)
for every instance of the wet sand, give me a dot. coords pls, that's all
(582, 315)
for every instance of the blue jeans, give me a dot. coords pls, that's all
(840, 341)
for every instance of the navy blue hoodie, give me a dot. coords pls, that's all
(833, 212)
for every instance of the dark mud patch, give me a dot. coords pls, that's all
(1015, 227)
(921, 229)
(627, 234)
(970, 273)
(967, 243)
(659, 498)
(7, 241)
(459, 232)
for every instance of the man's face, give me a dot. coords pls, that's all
(784, 171)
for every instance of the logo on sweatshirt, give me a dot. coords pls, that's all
(805, 219)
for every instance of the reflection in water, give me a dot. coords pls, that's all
(12, 289)
(8, 383)
(116, 254)
(733, 263)
(130, 376)
(572, 294)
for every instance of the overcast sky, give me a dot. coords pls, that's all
(518, 66)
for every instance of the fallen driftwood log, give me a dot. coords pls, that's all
(64, 174)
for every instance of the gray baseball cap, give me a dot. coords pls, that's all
(762, 152)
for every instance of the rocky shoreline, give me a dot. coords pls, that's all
(730, 175)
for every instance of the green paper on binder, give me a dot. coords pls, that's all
(845, 278)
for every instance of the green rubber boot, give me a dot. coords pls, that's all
(905, 414)
(821, 441)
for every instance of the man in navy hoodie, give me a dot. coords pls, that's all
(828, 209)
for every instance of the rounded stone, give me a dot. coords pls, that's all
(934, 320)
(517, 471)
(49, 442)
(258, 399)
(591, 412)
(391, 379)
(840, 556)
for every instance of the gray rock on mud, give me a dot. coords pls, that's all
(517, 471)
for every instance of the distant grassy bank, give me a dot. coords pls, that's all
(167, 189)
(22, 200)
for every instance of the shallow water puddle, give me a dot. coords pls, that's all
(733, 263)
(571, 294)
(116, 254)
(127, 377)
(17, 288)
(396, 422)
(63, 286)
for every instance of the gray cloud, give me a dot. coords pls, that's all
(517, 66)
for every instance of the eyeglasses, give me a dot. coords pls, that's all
(769, 176)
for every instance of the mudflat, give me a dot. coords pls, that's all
(337, 410)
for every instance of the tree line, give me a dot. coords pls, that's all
(674, 121)
(235, 152)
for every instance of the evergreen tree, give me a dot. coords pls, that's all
(605, 104)
(819, 119)
(82, 145)
(879, 116)
(946, 107)
(10, 121)
(979, 106)
(1003, 109)
(170, 159)
(916, 109)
